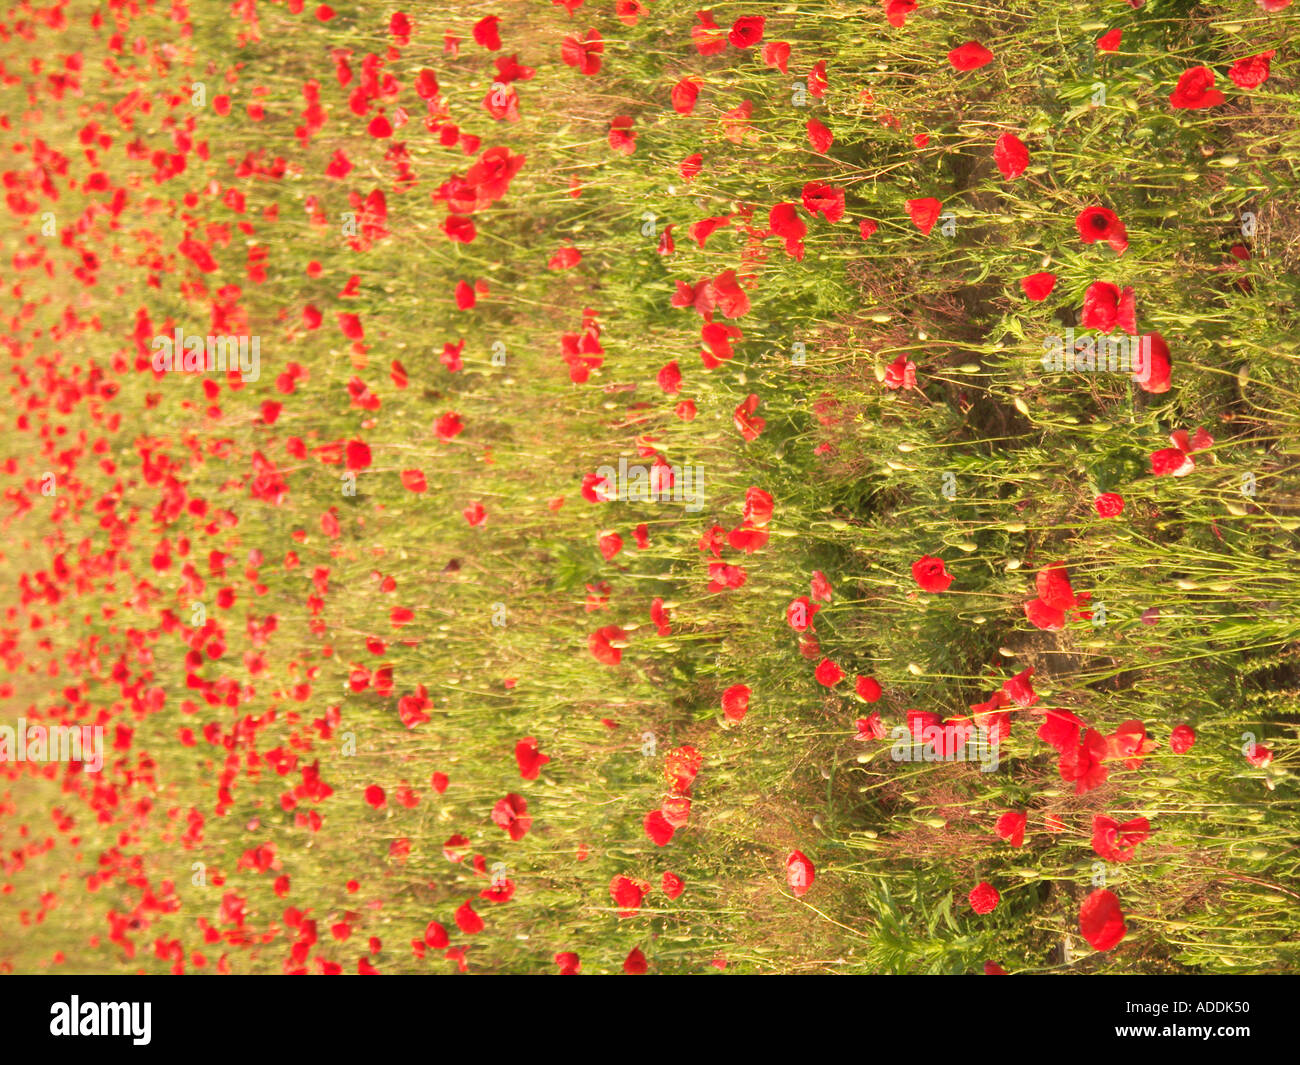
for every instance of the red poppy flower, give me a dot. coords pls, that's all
(1106, 308)
(924, 213)
(1130, 743)
(601, 644)
(928, 728)
(635, 964)
(819, 587)
(530, 758)
(503, 107)
(751, 427)
(1153, 367)
(1011, 827)
(1195, 90)
(583, 53)
(1060, 729)
(627, 894)
(1019, 689)
(777, 54)
(1109, 505)
(1038, 286)
(681, 766)
(746, 31)
(819, 136)
(1011, 155)
(1084, 764)
(758, 506)
(931, 574)
(1101, 223)
(723, 577)
(467, 920)
(658, 828)
(465, 297)
(629, 12)
(677, 810)
(449, 426)
(735, 123)
(817, 81)
(511, 814)
(970, 56)
(747, 538)
(1109, 41)
(870, 727)
(801, 613)
(622, 138)
(610, 544)
(708, 36)
(1045, 617)
(672, 885)
(735, 702)
(1171, 461)
(1259, 755)
(799, 873)
(1101, 922)
(901, 373)
(730, 297)
(896, 11)
(1181, 739)
(828, 673)
(565, 259)
(1116, 842)
(992, 716)
(487, 34)
(1252, 71)
(783, 221)
(685, 93)
(351, 327)
(358, 455)
(1177, 461)
(702, 230)
(400, 27)
(868, 689)
(436, 936)
(1055, 597)
(984, 898)
(659, 616)
(499, 890)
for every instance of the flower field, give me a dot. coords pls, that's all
(614, 487)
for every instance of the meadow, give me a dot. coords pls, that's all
(670, 470)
